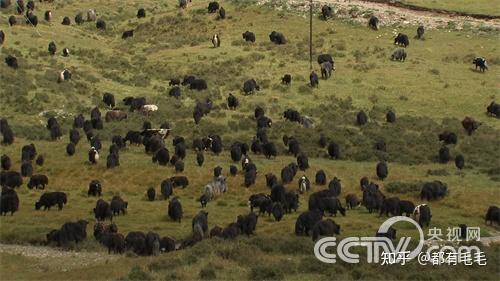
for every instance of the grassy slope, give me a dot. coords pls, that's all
(382, 85)
(485, 7)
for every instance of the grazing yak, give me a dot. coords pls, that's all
(493, 109)
(26, 169)
(6, 162)
(151, 194)
(306, 221)
(320, 177)
(9, 201)
(351, 201)
(38, 182)
(382, 170)
(31, 19)
(64, 75)
(66, 21)
(147, 108)
(325, 58)
(247, 223)
(11, 61)
(112, 161)
(326, 69)
(69, 232)
(6, 3)
(175, 209)
(118, 205)
(48, 16)
(433, 190)
(420, 31)
(232, 101)
(216, 40)
(422, 214)
(141, 13)
(481, 63)
(334, 150)
(12, 20)
(277, 38)
(50, 199)
(233, 170)
(198, 84)
(95, 188)
(116, 115)
(460, 161)
(402, 40)
(166, 188)
(390, 206)
(174, 82)
(108, 99)
(11, 179)
(249, 36)
(70, 149)
(372, 198)
(304, 184)
(373, 22)
(399, 54)
(183, 4)
(326, 12)
(470, 125)
(102, 211)
(213, 7)
(361, 118)
(199, 224)
(444, 155)
(277, 211)
(269, 150)
(335, 187)
(128, 34)
(175, 92)
(448, 137)
(492, 215)
(390, 117)
(325, 228)
(28, 152)
(302, 161)
(91, 15)
(180, 181)
(250, 86)
(100, 24)
(52, 48)
(222, 13)
(286, 79)
(261, 201)
(313, 79)
(406, 207)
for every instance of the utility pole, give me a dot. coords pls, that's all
(310, 34)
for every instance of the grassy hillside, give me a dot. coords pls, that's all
(432, 91)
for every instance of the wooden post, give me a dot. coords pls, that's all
(310, 33)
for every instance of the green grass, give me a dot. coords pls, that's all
(432, 91)
(484, 7)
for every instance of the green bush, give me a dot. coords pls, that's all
(403, 187)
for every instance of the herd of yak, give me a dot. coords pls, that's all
(280, 200)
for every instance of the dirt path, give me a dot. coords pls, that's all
(387, 14)
(56, 259)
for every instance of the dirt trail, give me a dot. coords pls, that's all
(387, 14)
(55, 259)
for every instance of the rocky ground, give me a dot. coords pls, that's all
(388, 15)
